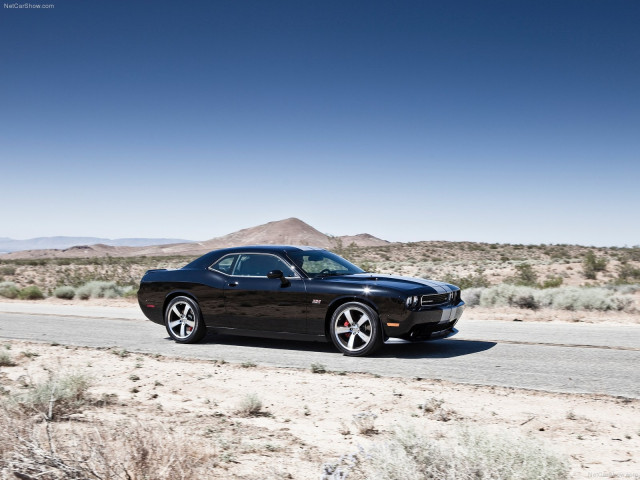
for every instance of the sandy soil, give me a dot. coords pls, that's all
(308, 418)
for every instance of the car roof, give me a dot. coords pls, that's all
(208, 258)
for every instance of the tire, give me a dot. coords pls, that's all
(355, 329)
(183, 320)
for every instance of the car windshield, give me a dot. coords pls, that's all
(321, 263)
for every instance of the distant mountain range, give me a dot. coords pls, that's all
(291, 231)
(11, 245)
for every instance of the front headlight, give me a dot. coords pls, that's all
(411, 302)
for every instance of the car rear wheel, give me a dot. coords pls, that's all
(183, 320)
(355, 329)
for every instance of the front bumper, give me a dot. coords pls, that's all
(437, 322)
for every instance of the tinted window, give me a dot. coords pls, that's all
(225, 264)
(259, 265)
(318, 263)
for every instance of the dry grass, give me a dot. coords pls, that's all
(58, 397)
(471, 453)
(129, 452)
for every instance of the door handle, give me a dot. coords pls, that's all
(232, 284)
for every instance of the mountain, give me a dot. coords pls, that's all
(291, 231)
(11, 245)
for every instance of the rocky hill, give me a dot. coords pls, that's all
(291, 231)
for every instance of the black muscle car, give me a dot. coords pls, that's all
(296, 292)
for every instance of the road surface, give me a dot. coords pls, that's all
(576, 358)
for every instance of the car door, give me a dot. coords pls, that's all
(253, 301)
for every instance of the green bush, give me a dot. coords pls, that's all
(591, 265)
(98, 289)
(64, 292)
(628, 273)
(525, 276)
(31, 293)
(470, 281)
(9, 290)
(552, 282)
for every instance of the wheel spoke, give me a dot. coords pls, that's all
(341, 330)
(363, 319)
(175, 310)
(186, 309)
(347, 314)
(352, 339)
(191, 323)
(182, 330)
(364, 338)
(174, 324)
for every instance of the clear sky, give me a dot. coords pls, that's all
(501, 121)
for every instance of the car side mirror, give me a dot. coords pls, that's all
(280, 275)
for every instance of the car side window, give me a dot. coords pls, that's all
(225, 264)
(259, 265)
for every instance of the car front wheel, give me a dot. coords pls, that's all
(355, 329)
(183, 320)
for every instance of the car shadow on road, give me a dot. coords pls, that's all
(393, 348)
(270, 343)
(446, 348)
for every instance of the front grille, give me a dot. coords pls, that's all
(434, 299)
(424, 331)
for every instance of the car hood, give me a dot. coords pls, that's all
(395, 282)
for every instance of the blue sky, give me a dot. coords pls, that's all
(500, 121)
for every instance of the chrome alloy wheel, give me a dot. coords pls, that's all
(181, 320)
(353, 329)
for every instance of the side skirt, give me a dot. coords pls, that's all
(264, 334)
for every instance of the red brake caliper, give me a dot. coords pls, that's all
(346, 324)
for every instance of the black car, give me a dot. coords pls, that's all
(296, 292)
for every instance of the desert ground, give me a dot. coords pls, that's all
(248, 421)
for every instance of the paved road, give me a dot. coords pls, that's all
(555, 357)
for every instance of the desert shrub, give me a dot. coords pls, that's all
(365, 422)
(318, 368)
(562, 298)
(552, 282)
(9, 290)
(628, 273)
(58, 396)
(506, 295)
(471, 296)
(470, 281)
(625, 289)
(250, 405)
(575, 298)
(64, 292)
(130, 292)
(47, 451)
(7, 270)
(31, 293)
(5, 359)
(525, 276)
(98, 289)
(591, 265)
(471, 454)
